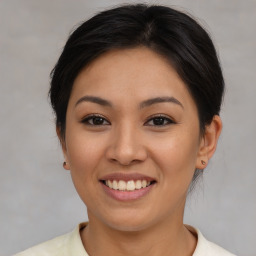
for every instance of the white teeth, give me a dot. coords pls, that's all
(115, 185)
(121, 185)
(109, 183)
(138, 184)
(144, 183)
(130, 185)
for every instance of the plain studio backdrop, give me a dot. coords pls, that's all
(37, 198)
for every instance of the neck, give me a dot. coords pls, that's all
(168, 238)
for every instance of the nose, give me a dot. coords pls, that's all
(126, 146)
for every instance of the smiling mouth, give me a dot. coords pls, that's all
(130, 185)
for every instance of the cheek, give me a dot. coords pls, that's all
(84, 155)
(176, 156)
(84, 152)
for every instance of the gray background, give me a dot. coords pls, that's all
(37, 198)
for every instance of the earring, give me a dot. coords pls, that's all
(203, 162)
(64, 164)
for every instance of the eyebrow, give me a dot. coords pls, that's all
(143, 104)
(94, 99)
(156, 100)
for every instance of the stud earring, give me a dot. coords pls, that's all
(203, 162)
(64, 164)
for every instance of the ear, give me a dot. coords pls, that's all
(63, 146)
(209, 142)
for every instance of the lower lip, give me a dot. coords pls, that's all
(127, 195)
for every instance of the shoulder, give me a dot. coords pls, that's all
(207, 248)
(217, 250)
(54, 247)
(66, 245)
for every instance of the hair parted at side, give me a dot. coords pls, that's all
(172, 34)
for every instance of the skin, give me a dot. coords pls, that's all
(130, 139)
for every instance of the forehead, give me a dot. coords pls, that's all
(139, 73)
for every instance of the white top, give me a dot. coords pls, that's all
(71, 245)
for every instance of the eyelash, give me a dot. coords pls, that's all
(166, 120)
(92, 117)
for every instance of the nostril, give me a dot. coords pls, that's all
(126, 152)
(124, 162)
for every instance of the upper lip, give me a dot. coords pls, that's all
(127, 177)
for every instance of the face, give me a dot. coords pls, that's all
(132, 139)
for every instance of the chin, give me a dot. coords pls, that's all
(133, 222)
(128, 227)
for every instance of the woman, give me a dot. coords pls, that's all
(137, 92)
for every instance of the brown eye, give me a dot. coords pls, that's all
(95, 120)
(159, 121)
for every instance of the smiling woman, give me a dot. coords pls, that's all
(137, 92)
